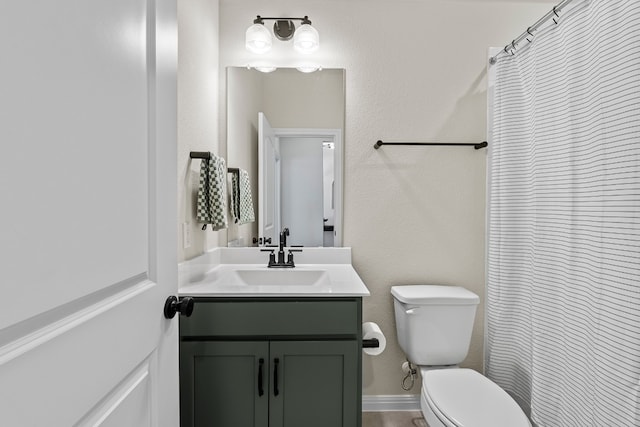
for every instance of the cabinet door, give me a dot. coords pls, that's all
(314, 384)
(221, 386)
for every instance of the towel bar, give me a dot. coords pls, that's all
(477, 146)
(200, 155)
(207, 155)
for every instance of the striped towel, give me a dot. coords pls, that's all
(241, 202)
(212, 197)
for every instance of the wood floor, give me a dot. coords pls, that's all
(393, 419)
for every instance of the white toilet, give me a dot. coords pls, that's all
(434, 325)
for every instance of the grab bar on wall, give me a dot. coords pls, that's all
(477, 146)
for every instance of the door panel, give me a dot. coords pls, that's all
(317, 384)
(67, 360)
(219, 384)
(74, 168)
(87, 179)
(128, 404)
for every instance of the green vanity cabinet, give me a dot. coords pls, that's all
(267, 362)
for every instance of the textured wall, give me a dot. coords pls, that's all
(197, 113)
(247, 87)
(415, 71)
(299, 100)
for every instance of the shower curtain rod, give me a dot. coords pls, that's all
(552, 14)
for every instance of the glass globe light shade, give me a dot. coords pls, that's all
(306, 39)
(265, 68)
(308, 68)
(258, 39)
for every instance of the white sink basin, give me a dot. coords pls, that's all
(243, 272)
(282, 277)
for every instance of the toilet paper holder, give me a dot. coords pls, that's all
(371, 343)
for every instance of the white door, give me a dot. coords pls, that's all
(268, 182)
(88, 218)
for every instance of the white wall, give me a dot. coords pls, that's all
(298, 100)
(197, 114)
(242, 151)
(415, 71)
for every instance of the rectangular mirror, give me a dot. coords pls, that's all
(285, 128)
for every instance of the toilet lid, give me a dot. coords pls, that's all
(434, 294)
(468, 399)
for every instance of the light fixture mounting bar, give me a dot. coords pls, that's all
(259, 18)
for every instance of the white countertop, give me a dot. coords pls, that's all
(237, 272)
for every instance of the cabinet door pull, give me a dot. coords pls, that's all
(260, 389)
(276, 361)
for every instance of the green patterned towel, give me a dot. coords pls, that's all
(241, 202)
(212, 197)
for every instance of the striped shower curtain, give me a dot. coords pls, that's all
(563, 291)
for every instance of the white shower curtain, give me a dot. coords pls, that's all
(563, 292)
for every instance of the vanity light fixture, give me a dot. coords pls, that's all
(258, 39)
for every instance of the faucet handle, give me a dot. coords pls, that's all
(290, 255)
(272, 256)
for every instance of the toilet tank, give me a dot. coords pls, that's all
(434, 323)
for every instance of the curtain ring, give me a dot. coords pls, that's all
(530, 33)
(506, 50)
(557, 16)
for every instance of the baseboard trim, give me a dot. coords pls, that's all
(390, 402)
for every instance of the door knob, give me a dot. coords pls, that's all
(183, 306)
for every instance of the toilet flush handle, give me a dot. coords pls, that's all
(410, 311)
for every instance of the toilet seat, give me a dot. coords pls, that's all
(465, 398)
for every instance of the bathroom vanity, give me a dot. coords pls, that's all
(271, 347)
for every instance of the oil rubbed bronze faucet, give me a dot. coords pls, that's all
(283, 243)
(280, 262)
